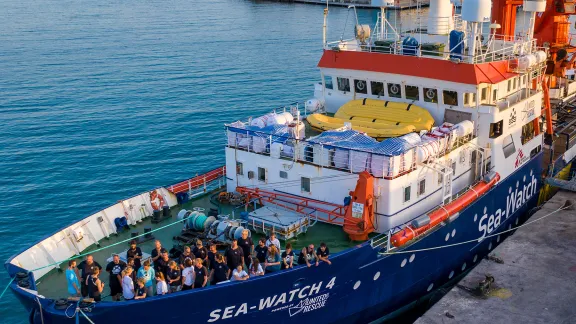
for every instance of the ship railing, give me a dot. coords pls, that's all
(498, 48)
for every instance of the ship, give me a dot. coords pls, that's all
(419, 153)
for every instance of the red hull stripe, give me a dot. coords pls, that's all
(493, 72)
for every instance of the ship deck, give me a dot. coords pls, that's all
(53, 284)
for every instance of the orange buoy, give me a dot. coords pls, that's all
(359, 219)
(444, 212)
(156, 200)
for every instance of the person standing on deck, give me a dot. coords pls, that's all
(187, 254)
(115, 269)
(272, 263)
(173, 276)
(148, 274)
(287, 257)
(127, 283)
(72, 279)
(87, 268)
(200, 275)
(212, 256)
(322, 254)
(136, 253)
(273, 240)
(157, 253)
(220, 271)
(201, 252)
(261, 251)
(94, 286)
(307, 256)
(247, 246)
(188, 275)
(234, 255)
(163, 264)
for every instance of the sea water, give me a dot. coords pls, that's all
(100, 100)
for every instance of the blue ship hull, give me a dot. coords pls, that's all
(361, 285)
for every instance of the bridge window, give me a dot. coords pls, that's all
(509, 85)
(283, 174)
(430, 95)
(377, 88)
(454, 168)
(496, 129)
(412, 92)
(305, 184)
(394, 90)
(343, 84)
(328, 82)
(441, 175)
(421, 187)
(360, 86)
(484, 94)
(262, 174)
(514, 84)
(527, 132)
(495, 95)
(407, 193)
(450, 97)
(239, 168)
(508, 146)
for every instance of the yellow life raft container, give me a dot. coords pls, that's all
(377, 118)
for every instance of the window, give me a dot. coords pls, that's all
(261, 174)
(239, 168)
(394, 90)
(430, 95)
(495, 95)
(496, 129)
(305, 184)
(466, 98)
(450, 97)
(454, 168)
(283, 174)
(377, 88)
(509, 85)
(412, 92)
(407, 194)
(421, 187)
(524, 80)
(328, 82)
(514, 84)
(508, 146)
(343, 84)
(473, 102)
(360, 86)
(527, 132)
(484, 94)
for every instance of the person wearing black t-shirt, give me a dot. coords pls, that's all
(220, 271)
(187, 254)
(157, 254)
(261, 250)
(212, 256)
(247, 246)
(163, 264)
(307, 256)
(201, 252)
(287, 261)
(94, 286)
(201, 275)
(234, 255)
(86, 268)
(173, 277)
(323, 253)
(115, 269)
(136, 253)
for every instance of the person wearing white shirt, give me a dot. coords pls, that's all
(127, 283)
(239, 274)
(161, 286)
(273, 240)
(188, 275)
(256, 268)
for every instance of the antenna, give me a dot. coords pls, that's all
(324, 27)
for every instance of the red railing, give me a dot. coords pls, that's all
(324, 211)
(198, 181)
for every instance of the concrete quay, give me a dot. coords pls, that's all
(534, 273)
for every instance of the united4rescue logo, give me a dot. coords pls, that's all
(520, 159)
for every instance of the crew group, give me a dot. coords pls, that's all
(195, 268)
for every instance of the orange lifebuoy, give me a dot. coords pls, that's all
(156, 200)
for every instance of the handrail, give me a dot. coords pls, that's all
(198, 181)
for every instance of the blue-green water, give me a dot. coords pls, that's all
(103, 99)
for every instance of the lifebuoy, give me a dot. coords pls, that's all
(156, 200)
